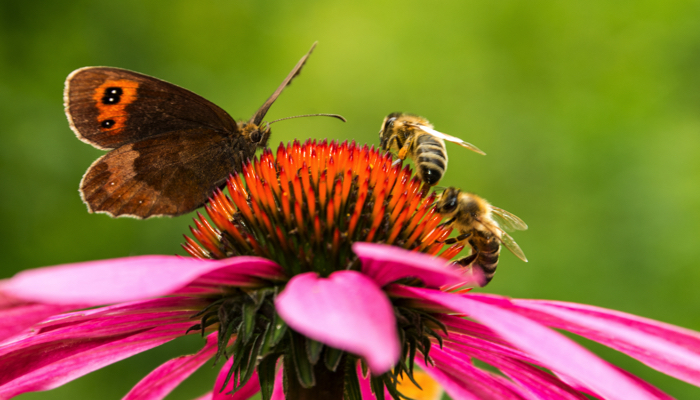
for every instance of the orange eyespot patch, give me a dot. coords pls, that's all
(111, 99)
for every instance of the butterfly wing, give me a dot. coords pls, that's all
(108, 107)
(169, 174)
(449, 138)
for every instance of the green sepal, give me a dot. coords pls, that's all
(332, 358)
(266, 374)
(313, 350)
(237, 349)
(249, 367)
(365, 368)
(274, 332)
(377, 387)
(223, 337)
(352, 382)
(249, 311)
(304, 369)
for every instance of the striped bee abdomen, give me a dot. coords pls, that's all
(430, 158)
(485, 252)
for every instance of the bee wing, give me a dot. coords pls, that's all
(508, 221)
(449, 138)
(510, 244)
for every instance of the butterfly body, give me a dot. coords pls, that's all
(169, 148)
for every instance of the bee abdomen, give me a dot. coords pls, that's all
(487, 253)
(431, 159)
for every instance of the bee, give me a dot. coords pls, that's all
(483, 226)
(414, 137)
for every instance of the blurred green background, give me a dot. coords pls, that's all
(589, 112)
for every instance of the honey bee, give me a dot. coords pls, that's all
(482, 226)
(414, 137)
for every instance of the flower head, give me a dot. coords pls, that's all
(283, 283)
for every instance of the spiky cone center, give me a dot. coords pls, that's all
(303, 208)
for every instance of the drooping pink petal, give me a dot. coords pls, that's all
(250, 389)
(462, 380)
(457, 325)
(366, 386)
(278, 390)
(48, 367)
(94, 324)
(670, 349)
(386, 264)
(347, 311)
(164, 307)
(164, 379)
(17, 315)
(124, 279)
(513, 364)
(551, 349)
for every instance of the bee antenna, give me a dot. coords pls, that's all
(340, 117)
(442, 188)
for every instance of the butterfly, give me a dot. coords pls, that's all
(169, 148)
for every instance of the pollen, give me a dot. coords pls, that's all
(304, 205)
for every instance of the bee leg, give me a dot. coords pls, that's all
(449, 221)
(394, 139)
(403, 152)
(457, 239)
(465, 261)
(425, 189)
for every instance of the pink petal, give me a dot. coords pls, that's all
(165, 378)
(366, 386)
(462, 380)
(386, 264)
(538, 383)
(17, 315)
(278, 390)
(76, 327)
(124, 279)
(551, 349)
(667, 348)
(347, 311)
(250, 389)
(48, 367)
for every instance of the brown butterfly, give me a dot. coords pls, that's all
(170, 148)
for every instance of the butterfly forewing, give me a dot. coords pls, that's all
(109, 107)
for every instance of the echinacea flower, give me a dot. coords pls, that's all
(322, 276)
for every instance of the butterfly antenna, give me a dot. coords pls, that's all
(340, 117)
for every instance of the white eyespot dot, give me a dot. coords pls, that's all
(140, 201)
(112, 183)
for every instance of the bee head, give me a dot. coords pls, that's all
(449, 201)
(387, 129)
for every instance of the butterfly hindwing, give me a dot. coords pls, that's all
(169, 174)
(109, 107)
